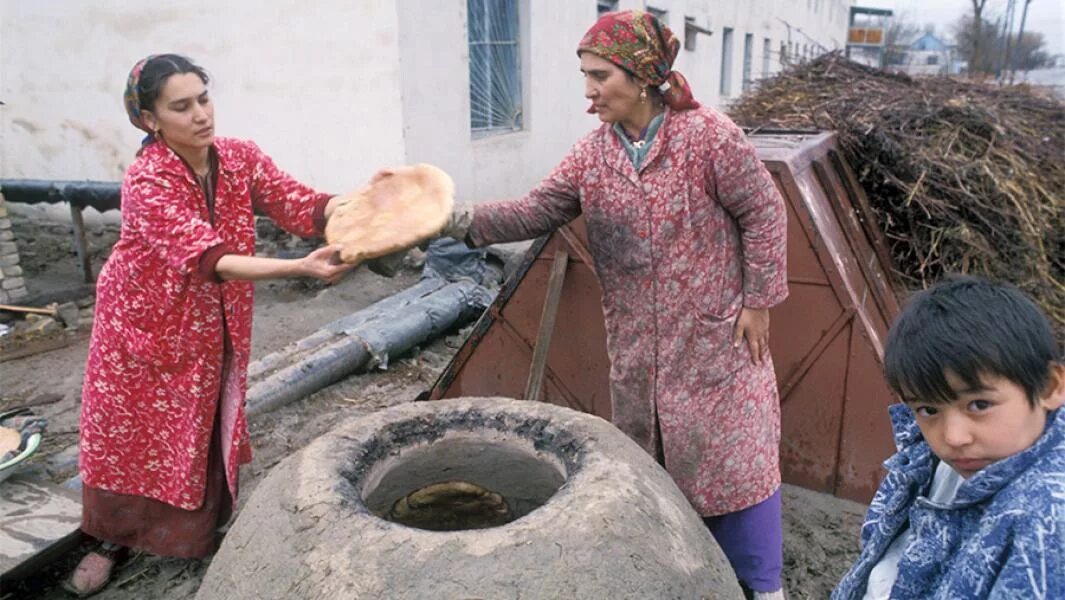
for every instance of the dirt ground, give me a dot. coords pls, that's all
(821, 532)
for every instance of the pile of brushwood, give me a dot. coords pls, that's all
(964, 177)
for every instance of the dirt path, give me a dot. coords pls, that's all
(820, 531)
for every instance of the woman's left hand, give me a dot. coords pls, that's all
(753, 324)
(325, 264)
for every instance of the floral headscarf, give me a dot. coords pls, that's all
(639, 43)
(132, 99)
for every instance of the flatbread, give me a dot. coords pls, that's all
(398, 209)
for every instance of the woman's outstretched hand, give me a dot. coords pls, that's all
(753, 324)
(325, 264)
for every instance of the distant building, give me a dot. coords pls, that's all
(929, 55)
(866, 35)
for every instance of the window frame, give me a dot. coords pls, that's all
(518, 99)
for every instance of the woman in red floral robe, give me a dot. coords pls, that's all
(162, 423)
(688, 235)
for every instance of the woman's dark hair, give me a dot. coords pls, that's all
(155, 73)
(970, 327)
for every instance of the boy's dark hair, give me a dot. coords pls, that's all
(155, 73)
(970, 327)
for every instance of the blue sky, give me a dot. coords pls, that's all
(1044, 16)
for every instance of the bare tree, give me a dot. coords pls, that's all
(980, 42)
(1028, 52)
(978, 57)
(899, 33)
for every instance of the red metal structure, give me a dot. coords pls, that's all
(826, 338)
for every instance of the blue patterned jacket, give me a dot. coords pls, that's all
(1003, 536)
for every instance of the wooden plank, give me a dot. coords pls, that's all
(42, 344)
(36, 521)
(51, 310)
(547, 326)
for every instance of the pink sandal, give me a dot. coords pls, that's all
(94, 571)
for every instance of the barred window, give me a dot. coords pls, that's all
(495, 67)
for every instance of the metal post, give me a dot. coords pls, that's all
(79, 244)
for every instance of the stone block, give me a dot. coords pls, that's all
(42, 326)
(11, 283)
(12, 271)
(69, 314)
(6, 235)
(8, 248)
(5, 223)
(8, 260)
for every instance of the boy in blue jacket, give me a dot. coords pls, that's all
(973, 505)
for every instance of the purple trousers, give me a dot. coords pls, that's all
(753, 542)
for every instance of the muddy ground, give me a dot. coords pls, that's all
(820, 531)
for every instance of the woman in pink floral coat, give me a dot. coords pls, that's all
(162, 424)
(688, 235)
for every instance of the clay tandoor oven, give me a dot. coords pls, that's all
(469, 498)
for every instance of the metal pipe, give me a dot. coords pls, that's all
(101, 195)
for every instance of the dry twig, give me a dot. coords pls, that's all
(964, 177)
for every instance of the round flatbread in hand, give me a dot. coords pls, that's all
(400, 208)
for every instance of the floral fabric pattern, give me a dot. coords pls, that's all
(1003, 535)
(680, 246)
(155, 372)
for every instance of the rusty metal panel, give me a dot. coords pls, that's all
(837, 382)
(826, 338)
(577, 372)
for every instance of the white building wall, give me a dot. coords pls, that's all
(807, 27)
(436, 103)
(335, 89)
(315, 84)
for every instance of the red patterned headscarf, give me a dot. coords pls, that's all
(639, 43)
(131, 98)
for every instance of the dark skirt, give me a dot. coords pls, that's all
(157, 527)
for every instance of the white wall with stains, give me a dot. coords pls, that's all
(315, 84)
(334, 89)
